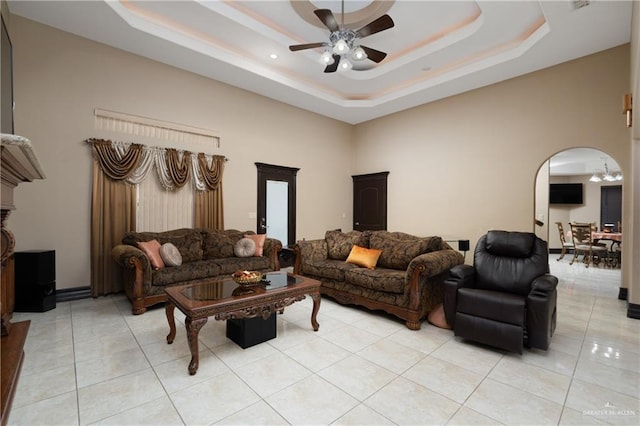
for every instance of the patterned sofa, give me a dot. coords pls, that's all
(407, 282)
(206, 254)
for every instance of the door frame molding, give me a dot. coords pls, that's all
(283, 174)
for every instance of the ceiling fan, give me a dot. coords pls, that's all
(343, 43)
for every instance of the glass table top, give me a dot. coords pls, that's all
(224, 288)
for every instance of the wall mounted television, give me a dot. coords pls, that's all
(565, 193)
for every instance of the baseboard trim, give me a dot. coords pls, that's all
(633, 310)
(76, 293)
(623, 293)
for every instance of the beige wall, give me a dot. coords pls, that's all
(466, 164)
(631, 251)
(61, 78)
(458, 167)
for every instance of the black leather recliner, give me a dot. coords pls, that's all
(507, 299)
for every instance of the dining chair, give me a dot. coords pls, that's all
(566, 245)
(583, 244)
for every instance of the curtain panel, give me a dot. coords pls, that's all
(117, 168)
(113, 211)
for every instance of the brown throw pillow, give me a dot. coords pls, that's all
(152, 250)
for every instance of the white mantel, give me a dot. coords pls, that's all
(19, 164)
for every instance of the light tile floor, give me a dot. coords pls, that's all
(92, 362)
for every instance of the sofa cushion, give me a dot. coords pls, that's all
(218, 245)
(329, 268)
(367, 258)
(170, 255)
(339, 244)
(398, 252)
(245, 247)
(187, 240)
(233, 264)
(152, 250)
(198, 269)
(387, 280)
(189, 246)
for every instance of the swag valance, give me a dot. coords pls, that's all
(133, 162)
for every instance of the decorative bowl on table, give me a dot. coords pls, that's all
(247, 282)
(247, 278)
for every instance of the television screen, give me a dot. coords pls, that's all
(565, 193)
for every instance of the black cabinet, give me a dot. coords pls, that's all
(248, 332)
(35, 280)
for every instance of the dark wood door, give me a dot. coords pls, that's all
(611, 205)
(370, 202)
(269, 172)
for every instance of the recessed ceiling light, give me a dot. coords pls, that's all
(273, 56)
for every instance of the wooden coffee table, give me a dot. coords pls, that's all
(223, 300)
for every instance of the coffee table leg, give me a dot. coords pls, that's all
(169, 308)
(316, 307)
(193, 328)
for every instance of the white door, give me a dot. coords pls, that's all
(277, 210)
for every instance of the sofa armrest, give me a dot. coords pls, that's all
(309, 251)
(426, 266)
(129, 257)
(434, 263)
(460, 276)
(137, 274)
(271, 248)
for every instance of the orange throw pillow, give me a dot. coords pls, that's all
(367, 258)
(259, 240)
(152, 250)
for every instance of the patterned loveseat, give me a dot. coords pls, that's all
(205, 253)
(407, 281)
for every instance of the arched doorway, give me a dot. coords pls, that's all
(589, 186)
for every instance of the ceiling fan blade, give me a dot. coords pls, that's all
(327, 18)
(382, 23)
(334, 66)
(373, 54)
(296, 47)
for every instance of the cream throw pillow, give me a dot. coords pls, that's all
(246, 247)
(170, 255)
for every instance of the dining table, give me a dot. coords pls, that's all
(613, 258)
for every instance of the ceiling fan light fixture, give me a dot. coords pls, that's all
(341, 47)
(359, 54)
(345, 65)
(326, 58)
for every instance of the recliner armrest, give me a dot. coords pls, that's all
(459, 276)
(541, 311)
(544, 284)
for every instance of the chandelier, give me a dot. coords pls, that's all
(605, 175)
